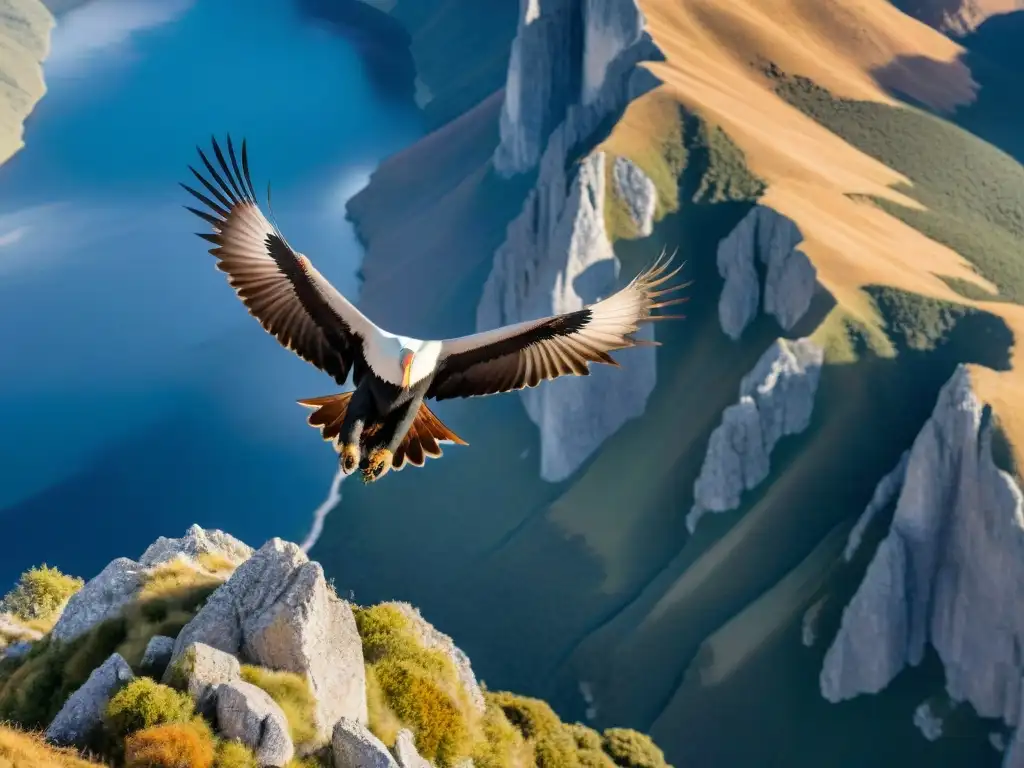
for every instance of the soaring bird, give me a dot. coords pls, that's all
(384, 422)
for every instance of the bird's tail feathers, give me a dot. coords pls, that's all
(328, 414)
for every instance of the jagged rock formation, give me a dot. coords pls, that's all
(957, 17)
(928, 722)
(638, 192)
(24, 42)
(200, 670)
(83, 711)
(247, 713)
(118, 584)
(157, 656)
(768, 237)
(776, 399)
(277, 611)
(948, 573)
(405, 751)
(557, 256)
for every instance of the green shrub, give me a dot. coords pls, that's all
(292, 694)
(144, 703)
(554, 743)
(234, 754)
(39, 593)
(586, 738)
(631, 749)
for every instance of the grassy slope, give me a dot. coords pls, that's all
(19, 749)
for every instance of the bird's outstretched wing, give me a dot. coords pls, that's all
(280, 287)
(525, 354)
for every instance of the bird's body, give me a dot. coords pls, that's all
(384, 422)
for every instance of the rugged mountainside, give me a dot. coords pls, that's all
(207, 653)
(24, 43)
(850, 337)
(957, 17)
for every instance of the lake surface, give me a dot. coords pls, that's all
(136, 394)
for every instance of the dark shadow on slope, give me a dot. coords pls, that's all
(380, 40)
(867, 414)
(995, 58)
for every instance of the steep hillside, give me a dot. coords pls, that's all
(663, 543)
(24, 42)
(957, 17)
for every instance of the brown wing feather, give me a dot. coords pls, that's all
(526, 354)
(280, 288)
(422, 440)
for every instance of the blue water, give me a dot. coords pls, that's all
(136, 394)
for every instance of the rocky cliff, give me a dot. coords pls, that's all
(261, 663)
(557, 256)
(948, 573)
(957, 17)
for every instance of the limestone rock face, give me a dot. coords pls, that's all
(948, 573)
(353, 746)
(201, 669)
(277, 611)
(83, 711)
(247, 713)
(886, 490)
(776, 400)
(194, 543)
(790, 279)
(638, 192)
(101, 598)
(406, 753)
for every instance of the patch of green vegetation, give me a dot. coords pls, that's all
(410, 686)
(174, 745)
(144, 703)
(39, 593)
(234, 754)
(631, 749)
(845, 337)
(726, 177)
(973, 192)
(969, 290)
(916, 322)
(293, 696)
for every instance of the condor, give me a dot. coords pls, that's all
(384, 423)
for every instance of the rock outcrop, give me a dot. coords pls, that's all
(201, 670)
(406, 753)
(101, 598)
(353, 746)
(956, 17)
(431, 637)
(768, 237)
(776, 400)
(157, 656)
(247, 713)
(638, 192)
(948, 572)
(277, 611)
(82, 713)
(195, 543)
(557, 256)
(119, 583)
(25, 27)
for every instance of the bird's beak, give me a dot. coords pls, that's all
(406, 368)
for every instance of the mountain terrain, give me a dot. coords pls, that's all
(745, 520)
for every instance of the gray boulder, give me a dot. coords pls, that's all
(82, 713)
(248, 714)
(431, 637)
(353, 746)
(776, 400)
(196, 541)
(277, 611)
(200, 670)
(101, 598)
(157, 656)
(406, 753)
(948, 573)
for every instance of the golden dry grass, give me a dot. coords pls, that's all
(19, 749)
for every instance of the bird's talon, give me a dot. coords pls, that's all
(377, 465)
(349, 458)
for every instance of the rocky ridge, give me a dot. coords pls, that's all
(947, 574)
(557, 256)
(776, 400)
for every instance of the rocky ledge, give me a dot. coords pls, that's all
(948, 574)
(226, 656)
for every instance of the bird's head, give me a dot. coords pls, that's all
(406, 356)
